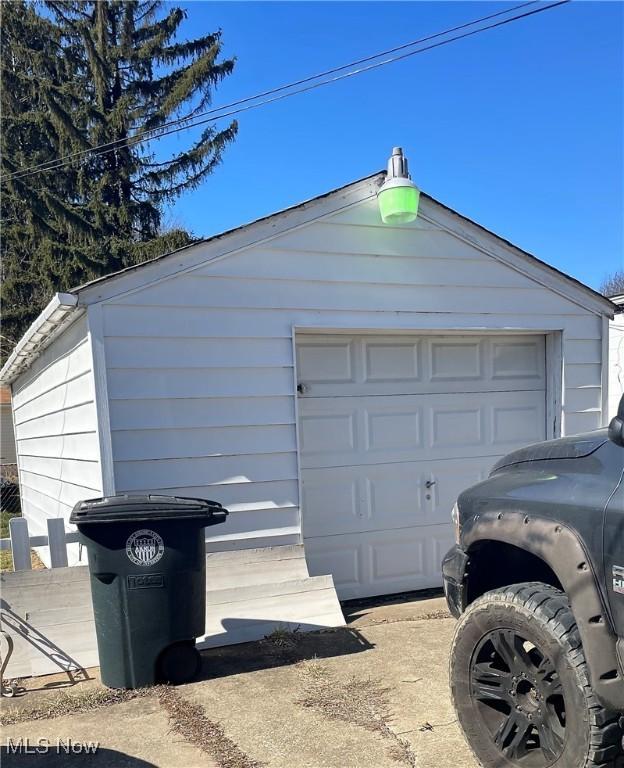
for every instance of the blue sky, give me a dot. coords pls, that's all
(519, 128)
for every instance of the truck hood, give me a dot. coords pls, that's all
(574, 447)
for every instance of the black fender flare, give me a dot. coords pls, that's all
(560, 547)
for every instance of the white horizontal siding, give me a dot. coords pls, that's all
(580, 375)
(146, 444)
(200, 369)
(155, 382)
(67, 395)
(383, 269)
(212, 470)
(45, 506)
(583, 399)
(61, 371)
(180, 413)
(124, 352)
(247, 496)
(61, 350)
(243, 292)
(82, 446)
(61, 490)
(75, 471)
(339, 234)
(68, 421)
(226, 323)
(582, 351)
(56, 429)
(261, 512)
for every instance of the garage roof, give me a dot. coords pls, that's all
(618, 301)
(60, 310)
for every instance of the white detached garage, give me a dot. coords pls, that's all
(331, 379)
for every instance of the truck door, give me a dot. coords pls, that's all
(613, 543)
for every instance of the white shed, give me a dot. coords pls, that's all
(330, 379)
(616, 355)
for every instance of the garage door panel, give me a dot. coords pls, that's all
(394, 497)
(391, 361)
(378, 365)
(389, 429)
(397, 554)
(320, 362)
(335, 501)
(380, 563)
(342, 556)
(341, 431)
(324, 430)
(339, 555)
(457, 427)
(375, 498)
(518, 360)
(520, 424)
(394, 429)
(361, 498)
(455, 360)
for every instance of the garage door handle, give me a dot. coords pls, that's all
(430, 483)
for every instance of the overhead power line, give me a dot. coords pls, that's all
(150, 133)
(284, 91)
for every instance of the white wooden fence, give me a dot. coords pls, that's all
(20, 542)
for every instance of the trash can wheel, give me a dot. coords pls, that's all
(179, 663)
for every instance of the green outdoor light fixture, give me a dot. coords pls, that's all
(398, 196)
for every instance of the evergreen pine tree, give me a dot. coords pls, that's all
(74, 76)
(29, 46)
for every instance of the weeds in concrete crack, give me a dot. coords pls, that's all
(71, 703)
(189, 721)
(432, 616)
(283, 638)
(357, 701)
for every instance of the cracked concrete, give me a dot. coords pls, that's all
(254, 693)
(134, 734)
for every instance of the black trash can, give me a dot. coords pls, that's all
(147, 563)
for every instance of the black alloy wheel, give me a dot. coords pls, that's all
(521, 686)
(520, 698)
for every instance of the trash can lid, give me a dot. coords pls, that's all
(125, 507)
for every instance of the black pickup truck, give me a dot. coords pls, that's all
(536, 579)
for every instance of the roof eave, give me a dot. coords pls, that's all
(596, 302)
(53, 319)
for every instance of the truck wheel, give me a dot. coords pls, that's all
(520, 684)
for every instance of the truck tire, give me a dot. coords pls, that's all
(520, 684)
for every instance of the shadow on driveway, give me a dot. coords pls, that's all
(102, 758)
(356, 609)
(280, 649)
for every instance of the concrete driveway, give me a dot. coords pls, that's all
(371, 695)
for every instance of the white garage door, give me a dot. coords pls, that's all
(391, 430)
